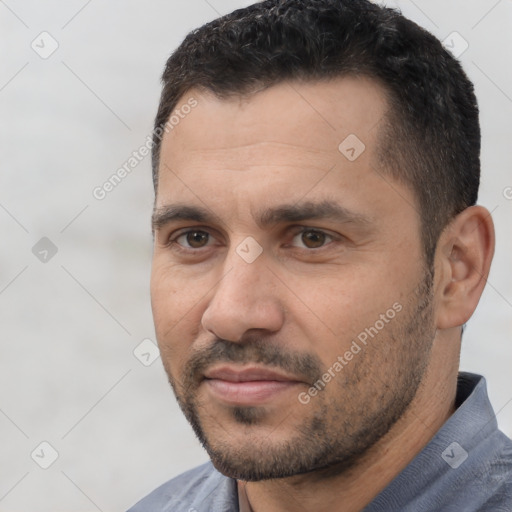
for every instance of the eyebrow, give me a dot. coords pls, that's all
(169, 213)
(297, 212)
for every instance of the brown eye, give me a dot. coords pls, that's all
(194, 239)
(313, 239)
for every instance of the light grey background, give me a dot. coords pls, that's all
(69, 326)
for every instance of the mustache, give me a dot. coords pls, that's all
(252, 349)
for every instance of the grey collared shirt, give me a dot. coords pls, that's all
(466, 467)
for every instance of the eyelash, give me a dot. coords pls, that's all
(300, 230)
(172, 240)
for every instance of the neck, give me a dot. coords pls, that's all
(355, 488)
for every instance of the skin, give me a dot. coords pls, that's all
(318, 283)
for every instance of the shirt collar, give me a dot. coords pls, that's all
(473, 421)
(462, 434)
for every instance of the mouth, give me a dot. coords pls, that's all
(250, 385)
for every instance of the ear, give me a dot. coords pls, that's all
(462, 262)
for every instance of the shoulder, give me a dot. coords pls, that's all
(196, 490)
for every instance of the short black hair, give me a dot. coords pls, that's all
(430, 139)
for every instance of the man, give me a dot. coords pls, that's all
(317, 252)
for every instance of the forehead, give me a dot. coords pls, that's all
(287, 144)
(314, 117)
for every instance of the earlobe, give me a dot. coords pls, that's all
(463, 259)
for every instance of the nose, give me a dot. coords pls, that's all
(244, 299)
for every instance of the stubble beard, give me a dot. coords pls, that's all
(373, 392)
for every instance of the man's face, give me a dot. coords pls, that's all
(291, 301)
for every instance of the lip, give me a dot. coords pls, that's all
(247, 386)
(245, 374)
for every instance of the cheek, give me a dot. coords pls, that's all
(338, 307)
(168, 306)
(163, 298)
(172, 295)
(333, 299)
(177, 303)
